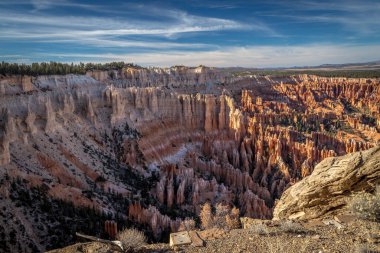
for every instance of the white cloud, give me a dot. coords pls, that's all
(255, 56)
(341, 5)
(116, 32)
(163, 23)
(69, 37)
(40, 5)
(91, 25)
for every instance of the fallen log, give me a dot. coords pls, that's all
(116, 244)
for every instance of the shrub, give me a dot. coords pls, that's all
(187, 225)
(131, 239)
(260, 229)
(293, 227)
(366, 206)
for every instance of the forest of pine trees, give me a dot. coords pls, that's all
(56, 68)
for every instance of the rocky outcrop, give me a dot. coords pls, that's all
(329, 186)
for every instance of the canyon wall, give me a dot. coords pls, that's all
(154, 77)
(152, 145)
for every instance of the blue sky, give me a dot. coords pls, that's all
(269, 33)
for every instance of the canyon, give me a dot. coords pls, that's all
(148, 146)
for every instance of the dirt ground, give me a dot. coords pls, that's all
(272, 236)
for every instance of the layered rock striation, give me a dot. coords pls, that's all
(152, 145)
(156, 77)
(330, 186)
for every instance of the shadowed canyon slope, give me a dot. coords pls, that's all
(149, 146)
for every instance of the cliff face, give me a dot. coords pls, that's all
(161, 142)
(329, 187)
(153, 77)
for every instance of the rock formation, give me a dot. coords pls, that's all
(330, 185)
(158, 142)
(176, 76)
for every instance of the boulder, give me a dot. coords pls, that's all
(328, 188)
(179, 239)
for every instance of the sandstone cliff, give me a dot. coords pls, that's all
(154, 77)
(149, 146)
(330, 185)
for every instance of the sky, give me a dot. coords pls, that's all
(270, 33)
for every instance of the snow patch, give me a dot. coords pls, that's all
(180, 154)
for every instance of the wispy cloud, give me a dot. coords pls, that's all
(181, 22)
(100, 28)
(114, 31)
(97, 40)
(117, 32)
(341, 5)
(47, 4)
(42, 4)
(357, 17)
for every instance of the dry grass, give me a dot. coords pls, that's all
(366, 206)
(275, 246)
(187, 225)
(364, 248)
(225, 217)
(132, 239)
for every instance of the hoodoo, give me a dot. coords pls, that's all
(150, 146)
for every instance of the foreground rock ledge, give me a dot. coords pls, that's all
(329, 186)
